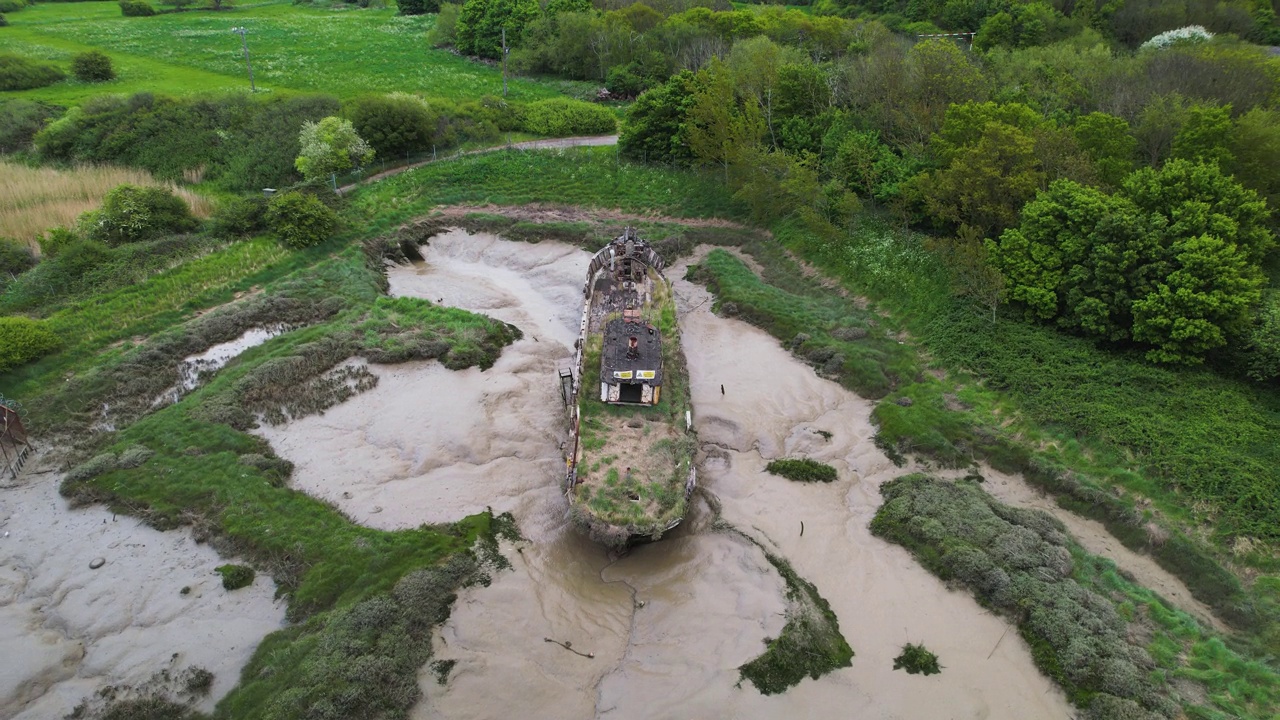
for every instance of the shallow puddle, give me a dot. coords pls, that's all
(194, 368)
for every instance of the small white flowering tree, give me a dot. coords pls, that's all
(330, 146)
(1188, 34)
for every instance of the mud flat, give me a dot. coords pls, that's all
(668, 624)
(67, 630)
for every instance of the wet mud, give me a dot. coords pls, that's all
(67, 629)
(669, 623)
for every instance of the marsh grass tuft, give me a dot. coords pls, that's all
(235, 577)
(802, 470)
(917, 660)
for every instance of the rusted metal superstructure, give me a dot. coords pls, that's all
(15, 445)
(626, 301)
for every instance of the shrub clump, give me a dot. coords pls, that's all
(803, 470)
(916, 660)
(300, 220)
(19, 73)
(239, 217)
(235, 577)
(92, 66)
(130, 214)
(562, 116)
(136, 8)
(23, 340)
(15, 259)
(9, 6)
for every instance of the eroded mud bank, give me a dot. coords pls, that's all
(670, 623)
(67, 630)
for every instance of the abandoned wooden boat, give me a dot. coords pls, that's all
(630, 468)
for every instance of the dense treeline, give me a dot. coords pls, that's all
(1121, 195)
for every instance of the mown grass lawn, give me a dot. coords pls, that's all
(343, 50)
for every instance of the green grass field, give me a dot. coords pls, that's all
(342, 50)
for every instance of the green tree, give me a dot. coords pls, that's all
(1255, 152)
(1205, 135)
(481, 22)
(1194, 199)
(329, 146)
(1107, 141)
(986, 182)
(655, 129)
(1077, 257)
(1203, 301)
(719, 129)
(941, 75)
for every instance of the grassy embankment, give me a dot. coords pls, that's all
(339, 49)
(32, 200)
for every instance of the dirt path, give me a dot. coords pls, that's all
(548, 144)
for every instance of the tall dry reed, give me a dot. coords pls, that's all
(33, 200)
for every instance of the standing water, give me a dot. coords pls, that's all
(667, 625)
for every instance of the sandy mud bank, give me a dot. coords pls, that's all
(67, 630)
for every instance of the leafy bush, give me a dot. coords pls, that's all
(19, 73)
(235, 577)
(9, 6)
(4, 21)
(92, 66)
(15, 259)
(23, 340)
(300, 220)
(561, 116)
(239, 216)
(20, 120)
(418, 7)
(393, 125)
(136, 8)
(804, 470)
(130, 214)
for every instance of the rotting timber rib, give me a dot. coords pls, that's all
(630, 468)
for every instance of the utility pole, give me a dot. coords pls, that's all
(505, 50)
(244, 41)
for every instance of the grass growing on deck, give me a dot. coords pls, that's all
(643, 491)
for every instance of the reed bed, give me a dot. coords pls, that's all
(32, 200)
